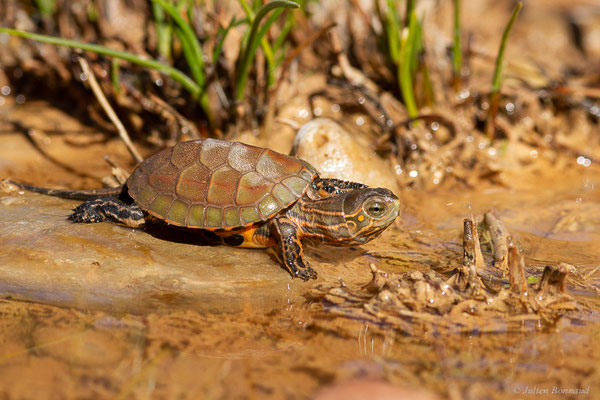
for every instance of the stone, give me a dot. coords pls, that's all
(49, 259)
(336, 153)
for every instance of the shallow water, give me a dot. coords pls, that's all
(101, 311)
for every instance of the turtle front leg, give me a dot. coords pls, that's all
(289, 249)
(101, 209)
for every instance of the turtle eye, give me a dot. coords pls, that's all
(375, 208)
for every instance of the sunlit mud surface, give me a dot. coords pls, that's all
(102, 311)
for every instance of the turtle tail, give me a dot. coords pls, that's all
(71, 194)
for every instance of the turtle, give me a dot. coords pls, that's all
(246, 196)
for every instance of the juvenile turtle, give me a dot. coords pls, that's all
(247, 196)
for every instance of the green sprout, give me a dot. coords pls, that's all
(46, 7)
(403, 45)
(456, 48)
(255, 37)
(164, 31)
(222, 35)
(497, 81)
(408, 56)
(115, 74)
(410, 7)
(192, 50)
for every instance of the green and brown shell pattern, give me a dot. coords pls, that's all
(214, 184)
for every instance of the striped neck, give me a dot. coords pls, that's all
(321, 219)
(353, 217)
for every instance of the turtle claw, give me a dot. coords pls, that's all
(87, 213)
(305, 273)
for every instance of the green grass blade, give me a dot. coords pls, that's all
(410, 6)
(191, 39)
(92, 13)
(456, 48)
(281, 55)
(269, 54)
(381, 39)
(497, 81)
(222, 35)
(46, 7)
(268, 51)
(417, 45)
(490, 124)
(405, 76)
(115, 73)
(427, 87)
(247, 54)
(173, 73)
(247, 9)
(392, 29)
(192, 50)
(189, 8)
(164, 31)
(287, 27)
(190, 55)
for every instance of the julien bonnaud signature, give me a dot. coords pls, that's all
(533, 390)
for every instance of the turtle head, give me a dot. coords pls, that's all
(353, 217)
(368, 212)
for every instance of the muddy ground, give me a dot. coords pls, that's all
(103, 311)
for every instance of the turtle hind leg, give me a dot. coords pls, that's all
(102, 209)
(289, 249)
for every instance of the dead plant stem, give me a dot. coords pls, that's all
(95, 86)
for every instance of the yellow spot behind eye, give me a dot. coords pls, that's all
(361, 218)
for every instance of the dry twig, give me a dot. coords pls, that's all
(516, 268)
(119, 175)
(500, 236)
(109, 110)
